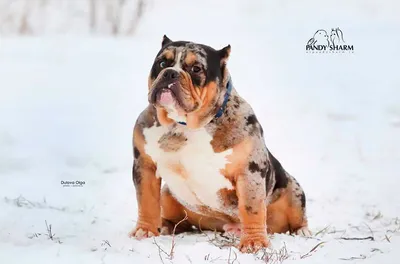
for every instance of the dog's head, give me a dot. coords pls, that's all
(187, 82)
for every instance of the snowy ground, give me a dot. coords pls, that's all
(68, 104)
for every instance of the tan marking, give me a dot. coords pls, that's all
(168, 54)
(190, 58)
(203, 93)
(239, 158)
(163, 118)
(179, 169)
(198, 117)
(186, 84)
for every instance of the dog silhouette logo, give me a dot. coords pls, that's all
(336, 36)
(320, 38)
(322, 42)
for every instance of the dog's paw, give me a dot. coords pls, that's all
(252, 244)
(304, 232)
(233, 229)
(141, 233)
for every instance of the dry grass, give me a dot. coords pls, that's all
(308, 254)
(274, 256)
(49, 233)
(170, 254)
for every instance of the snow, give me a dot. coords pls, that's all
(68, 104)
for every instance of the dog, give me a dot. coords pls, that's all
(336, 36)
(320, 38)
(204, 141)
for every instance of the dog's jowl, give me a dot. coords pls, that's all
(205, 142)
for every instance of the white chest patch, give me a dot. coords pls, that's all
(201, 164)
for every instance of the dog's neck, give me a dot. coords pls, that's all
(221, 109)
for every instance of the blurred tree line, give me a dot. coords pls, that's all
(36, 17)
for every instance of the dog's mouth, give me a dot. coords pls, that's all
(165, 95)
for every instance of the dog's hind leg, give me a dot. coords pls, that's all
(296, 213)
(287, 212)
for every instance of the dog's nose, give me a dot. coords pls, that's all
(170, 74)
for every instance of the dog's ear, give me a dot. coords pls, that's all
(223, 57)
(224, 54)
(165, 41)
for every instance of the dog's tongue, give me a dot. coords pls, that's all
(166, 97)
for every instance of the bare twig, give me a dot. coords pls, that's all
(188, 258)
(358, 238)
(235, 259)
(49, 232)
(215, 259)
(170, 254)
(376, 250)
(354, 258)
(224, 242)
(377, 216)
(34, 235)
(372, 232)
(312, 250)
(51, 235)
(159, 250)
(106, 242)
(322, 230)
(334, 231)
(229, 257)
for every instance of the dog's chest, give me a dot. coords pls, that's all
(188, 164)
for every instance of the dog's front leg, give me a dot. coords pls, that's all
(148, 189)
(252, 213)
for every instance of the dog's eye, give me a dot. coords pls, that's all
(163, 64)
(196, 69)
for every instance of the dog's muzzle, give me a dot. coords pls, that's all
(166, 90)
